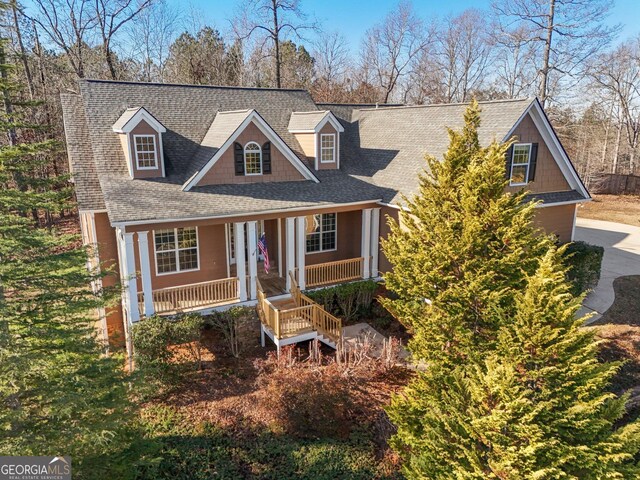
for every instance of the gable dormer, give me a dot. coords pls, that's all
(141, 138)
(241, 147)
(318, 133)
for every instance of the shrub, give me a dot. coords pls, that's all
(236, 325)
(157, 343)
(346, 300)
(584, 262)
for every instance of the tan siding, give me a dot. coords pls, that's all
(557, 220)
(108, 252)
(548, 177)
(328, 128)
(271, 234)
(348, 240)
(143, 128)
(306, 141)
(212, 259)
(223, 172)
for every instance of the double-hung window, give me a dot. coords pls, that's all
(327, 148)
(520, 162)
(321, 232)
(176, 250)
(145, 149)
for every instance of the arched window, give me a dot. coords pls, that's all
(252, 159)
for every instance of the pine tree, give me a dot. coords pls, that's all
(536, 407)
(461, 243)
(512, 388)
(59, 393)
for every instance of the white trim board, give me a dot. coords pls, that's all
(141, 114)
(268, 132)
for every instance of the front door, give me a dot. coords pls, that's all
(231, 241)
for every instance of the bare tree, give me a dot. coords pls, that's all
(272, 21)
(390, 49)
(331, 55)
(111, 16)
(67, 24)
(514, 65)
(618, 74)
(462, 54)
(150, 35)
(568, 33)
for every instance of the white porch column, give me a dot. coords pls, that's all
(252, 249)
(366, 242)
(130, 279)
(280, 247)
(375, 240)
(238, 231)
(302, 250)
(145, 271)
(291, 250)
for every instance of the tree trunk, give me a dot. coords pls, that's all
(23, 55)
(276, 41)
(607, 129)
(547, 53)
(8, 106)
(108, 55)
(616, 152)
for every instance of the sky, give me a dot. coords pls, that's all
(353, 17)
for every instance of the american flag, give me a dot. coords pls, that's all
(262, 246)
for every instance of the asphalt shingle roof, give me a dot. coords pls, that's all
(81, 165)
(388, 145)
(301, 121)
(222, 127)
(382, 149)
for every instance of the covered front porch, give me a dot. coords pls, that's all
(236, 245)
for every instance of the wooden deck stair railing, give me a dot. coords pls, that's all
(306, 316)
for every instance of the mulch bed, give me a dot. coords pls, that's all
(619, 328)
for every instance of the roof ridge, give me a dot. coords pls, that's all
(230, 87)
(457, 104)
(310, 112)
(236, 111)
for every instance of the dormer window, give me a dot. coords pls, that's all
(327, 148)
(145, 151)
(318, 134)
(141, 139)
(252, 159)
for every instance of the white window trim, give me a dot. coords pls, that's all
(528, 164)
(321, 232)
(333, 150)
(155, 151)
(175, 233)
(245, 159)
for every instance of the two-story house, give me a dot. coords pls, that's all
(199, 197)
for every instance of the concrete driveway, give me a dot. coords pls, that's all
(621, 257)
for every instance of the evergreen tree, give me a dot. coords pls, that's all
(513, 388)
(536, 407)
(59, 393)
(458, 248)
